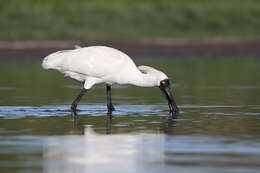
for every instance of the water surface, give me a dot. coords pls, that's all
(216, 131)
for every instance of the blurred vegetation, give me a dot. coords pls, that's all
(84, 19)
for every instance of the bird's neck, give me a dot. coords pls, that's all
(145, 80)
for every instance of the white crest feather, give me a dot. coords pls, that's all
(152, 71)
(146, 69)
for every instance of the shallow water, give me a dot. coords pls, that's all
(216, 131)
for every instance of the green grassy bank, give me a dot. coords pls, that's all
(84, 19)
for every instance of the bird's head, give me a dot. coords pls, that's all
(166, 90)
(161, 80)
(155, 76)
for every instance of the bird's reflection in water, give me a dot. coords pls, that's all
(74, 116)
(80, 126)
(109, 121)
(167, 128)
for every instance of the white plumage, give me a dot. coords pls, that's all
(100, 64)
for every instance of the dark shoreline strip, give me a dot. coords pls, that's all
(157, 48)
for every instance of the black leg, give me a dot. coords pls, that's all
(109, 101)
(76, 101)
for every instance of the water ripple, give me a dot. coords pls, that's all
(11, 112)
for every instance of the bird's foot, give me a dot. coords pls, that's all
(73, 107)
(109, 114)
(174, 114)
(74, 110)
(111, 107)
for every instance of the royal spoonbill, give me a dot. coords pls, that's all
(100, 64)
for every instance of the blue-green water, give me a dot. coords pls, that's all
(218, 129)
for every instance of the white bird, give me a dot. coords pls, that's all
(100, 64)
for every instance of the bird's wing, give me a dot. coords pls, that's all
(95, 61)
(76, 76)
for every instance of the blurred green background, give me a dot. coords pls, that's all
(91, 19)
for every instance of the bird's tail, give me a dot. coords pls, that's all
(56, 60)
(45, 64)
